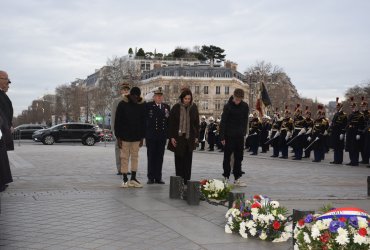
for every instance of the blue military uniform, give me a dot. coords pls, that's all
(156, 137)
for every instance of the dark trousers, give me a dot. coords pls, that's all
(236, 146)
(184, 160)
(353, 156)
(202, 144)
(155, 152)
(298, 152)
(284, 151)
(364, 157)
(338, 155)
(275, 150)
(318, 154)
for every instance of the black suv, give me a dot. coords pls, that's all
(88, 134)
(25, 131)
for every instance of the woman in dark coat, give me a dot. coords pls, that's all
(184, 133)
(5, 173)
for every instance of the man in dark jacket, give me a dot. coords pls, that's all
(129, 128)
(233, 128)
(157, 114)
(6, 125)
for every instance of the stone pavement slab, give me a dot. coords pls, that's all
(67, 196)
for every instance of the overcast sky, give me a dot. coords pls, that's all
(323, 45)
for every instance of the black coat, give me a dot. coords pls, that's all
(234, 120)
(6, 111)
(129, 124)
(5, 173)
(174, 124)
(156, 120)
(338, 127)
(355, 126)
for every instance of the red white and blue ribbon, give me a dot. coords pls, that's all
(345, 212)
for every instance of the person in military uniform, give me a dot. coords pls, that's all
(355, 126)
(298, 138)
(211, 133)
(247, 140)
(219, 145)
(365, 137)
(337, 132)
(202, 132)
(265, 131)
(309, 126)
(320, 126)
(156, 113)
(254, 133)
(275, 134)
(124, 89)
(286, 130)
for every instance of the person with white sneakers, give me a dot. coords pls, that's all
(233, 129)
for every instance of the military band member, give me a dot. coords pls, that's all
(318, 133)
(286, 130)
(202, 132)
(365, 138)
(275, 133)
(354, 129)
(265, 131)
(309, 126)
(157, 114)
(337, 132)
(298, 138)
(211, 133)
(254, 133)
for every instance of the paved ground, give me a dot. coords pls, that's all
(67, 196)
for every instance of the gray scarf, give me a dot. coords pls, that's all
(184, 127)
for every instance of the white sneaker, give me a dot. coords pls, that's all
(135, 184)
(239, 183)
(124, 184)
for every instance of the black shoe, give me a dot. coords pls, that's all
(3, 187)
(332, 162)
(368, 166)
(306, 156)
(296, 159)
(263, 151)
(274, 156)
(211, 150)
(349, 164)
(202, 149)
(150, 181)
(221, 150)
(242, 172)
(128, 173)
(159, 182)
(119, 173)
(283, 157)
(316, 161)
(253, 154)
(364, 162)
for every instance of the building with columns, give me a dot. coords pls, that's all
(211, 86)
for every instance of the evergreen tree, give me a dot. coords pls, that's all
(140, 52)
(213, 53)
(130, 52)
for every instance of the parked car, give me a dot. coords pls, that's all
(25, 131)
(88, 134)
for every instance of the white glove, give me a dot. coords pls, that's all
(316, 138)
(214, 131)
(288, 135)
(303, 131)
(309, 131)
(1, 134)
(276, 134)
(326, 132)
(341, 137)
(358, 137)
(269, 136)
(309, 138)
(254, 133)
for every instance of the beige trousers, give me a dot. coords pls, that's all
(129, 152)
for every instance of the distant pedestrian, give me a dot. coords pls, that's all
(202, 133)
(129, 128)
(124, 89)
(157, 114)
(233, 128)
(184, 133)
(211, 133)
(6, 125)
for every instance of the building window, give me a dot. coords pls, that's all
(205, 105)
(227, 75)
(176, 73)
(218, 90)
(205, 89)
(218, 75)
(196, 90)
(197, 74)
(166, 73)
(175, 89)
(187, 74)
(206, 74)
(227, 91)
(217, 104)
